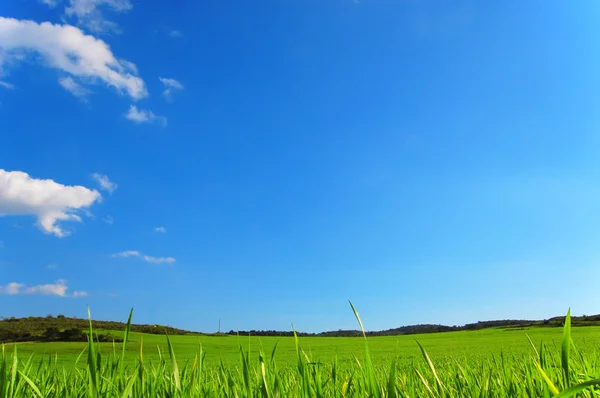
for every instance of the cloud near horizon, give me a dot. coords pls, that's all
(148, 259)
(68, 49)
(45, 199)
(51, 289)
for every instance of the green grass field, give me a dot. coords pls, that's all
(497, 362)
(464, 345)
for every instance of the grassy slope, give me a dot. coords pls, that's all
(465, 346)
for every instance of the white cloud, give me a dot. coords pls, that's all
(50, 3)
(68, 49)
(51, 266)
(159, 260)
(56, 289)
(5, 84)
(174, 33)
(104, 182)
(69, 84)
(140, 116)
(109, 220)
(149, 259)
(11, 289)
(127, 253)
(89, 13)
(160, 229)
(49, 201)
(51, 289)
(170, 86)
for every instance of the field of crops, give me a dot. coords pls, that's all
(540, 362)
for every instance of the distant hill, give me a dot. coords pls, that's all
(509, 324)
(61, 328)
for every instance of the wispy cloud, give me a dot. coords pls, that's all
(47, 200)
(140, 116)
(171, 85)
(6, 85)
(50, 3)
(127, 253)
(51, 266)
(12, 288)
(161, 229)
(174, 33)
(69, 84)
(149, 259)
(51, 289)
(104, 182)
(89, 14)
(69, 50)
(109, 220)
(159, 260)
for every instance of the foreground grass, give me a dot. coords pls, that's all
(543, 371)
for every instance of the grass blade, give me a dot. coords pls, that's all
(566, 348)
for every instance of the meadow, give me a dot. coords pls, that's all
(495, 362)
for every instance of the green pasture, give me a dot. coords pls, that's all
(466, 346)
(501, 362)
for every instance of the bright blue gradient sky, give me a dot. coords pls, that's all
(432, 162)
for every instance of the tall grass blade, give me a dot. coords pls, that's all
(93, 386)
(571, 391)
(125, 341)
(176, 378)
(432, 368)
(551, 385)
(566, 348)
(31, 384)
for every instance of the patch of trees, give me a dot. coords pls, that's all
(33, 328)
(54, 334)
(512, 324)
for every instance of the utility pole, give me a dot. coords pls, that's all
(219, 325)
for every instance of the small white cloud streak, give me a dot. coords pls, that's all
(11, 289)
(127, 253)
(159, 260)
(149, 259)
(50, 289)
(171, 85)
(6, 85)
(104, 182)
(161, 229)
(69, 84)
(140, 116)
(174, 33)
(88, 13)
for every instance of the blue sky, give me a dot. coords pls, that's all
(265, 162)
